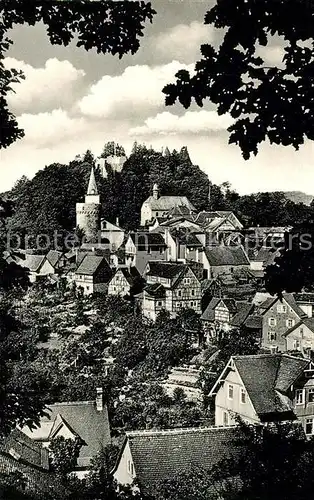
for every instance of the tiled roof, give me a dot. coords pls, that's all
(179, 210)
(209, 313)
(28, 451)
(90, 264)
(205, 217)
(53, 257)
(148, 238)
(90, 425)
(158, 455)
(226, 256)
(304, 297)
(288, 297)
(267, 377)
(166, 203)
(156, 290)
(164, 269)
(244, 309)
(186, 238)
(32, 262)
(254, 322)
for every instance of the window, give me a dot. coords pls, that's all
(191, 303)
(187, 281)
(281, 308)
(179, 293)
(296, 344)
(309, 427)
(225, 418)
(87, 288)
(130, 468)
(299, 397)
(290, 323)
(301, 332)
(157, 214)
(272, 321)
(159, 303)
(243, 396)
(271, 336)
(311, 395)
(193, 292)
(230, 391)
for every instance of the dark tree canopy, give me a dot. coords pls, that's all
(109, 27)
(274, 103)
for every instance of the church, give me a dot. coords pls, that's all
(159, 206)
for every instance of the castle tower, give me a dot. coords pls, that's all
(155, 191)
(88, 213)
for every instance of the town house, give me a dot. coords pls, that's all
(142, 247)
(154, 456)
(223, 314)
(171, 286)
(266, 388)
(278, 316)
(301, 337)
(86, 421)
(122, 281)
(93, 274)
(224, 260)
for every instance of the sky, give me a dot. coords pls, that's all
(72, 100)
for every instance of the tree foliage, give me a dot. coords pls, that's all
(266, 102)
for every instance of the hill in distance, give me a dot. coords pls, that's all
(299, 197)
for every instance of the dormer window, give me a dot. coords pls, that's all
(299, 397)
(130, 468)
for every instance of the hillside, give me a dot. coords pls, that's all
(299, 197)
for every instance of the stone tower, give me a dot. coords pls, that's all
(88, 213)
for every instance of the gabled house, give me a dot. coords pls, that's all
(93, 274)
(277, 318)
(56, 259)
(123, 280)
(301, 336)
(86, 421)
(37, 265)
(184, 244)
(159, 206)
(265, 388)
(220, 259)
(224, 314)
(154, 456)
(171, 286)
(306, 302)
(20, 454)
(142, 247)
(112, 233)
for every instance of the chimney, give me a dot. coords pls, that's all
(155, 191)
(99, 399)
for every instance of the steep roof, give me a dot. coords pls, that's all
(92, 186)
(187, 238)
(158, 455)
(83, 419)
(226, 256)
(288, 297)
(32, 262)
(90, 264)
(53, 257)
(164, 269)
(166, 203)
(244, 309)
(19, 445)
(148, 238)
(155, 290)
(209, 313)
(267, 377)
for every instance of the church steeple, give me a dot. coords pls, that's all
(92, 186)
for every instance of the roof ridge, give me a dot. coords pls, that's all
(178, 430)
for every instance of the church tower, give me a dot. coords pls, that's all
(88, 213)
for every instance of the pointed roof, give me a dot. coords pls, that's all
(92, 186)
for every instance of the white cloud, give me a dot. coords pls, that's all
(137, 89)
(50, 127)
(44, 86)
(183, 41)
(192, 122)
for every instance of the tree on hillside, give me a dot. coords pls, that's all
(109, 27)
(273, 102)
